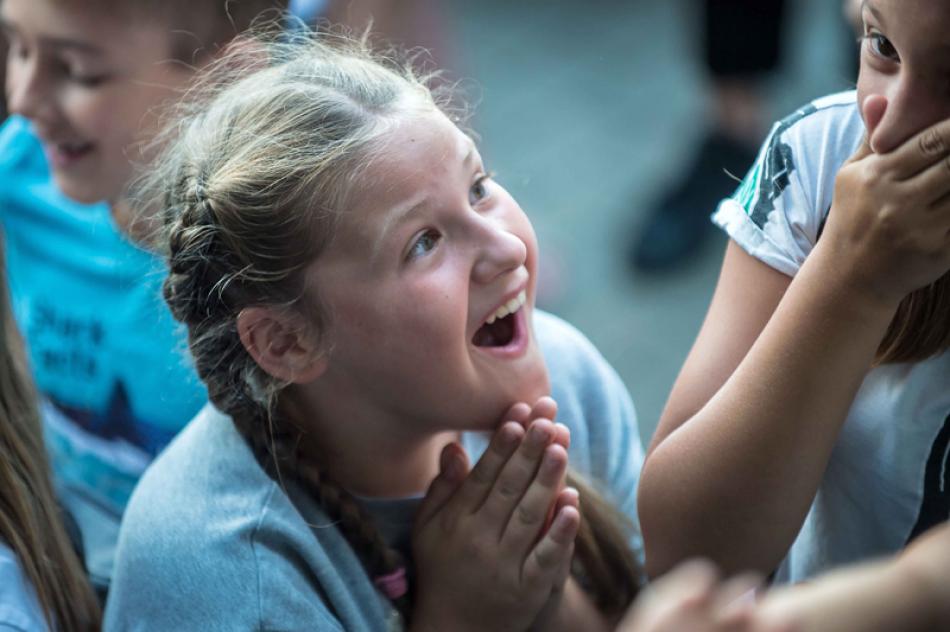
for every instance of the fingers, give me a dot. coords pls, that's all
(453, 466)
(918, 153)
(735, 599)
(516, 475)
(520, 413)
(544, 408)
(554, 550)
(472, 493)
(934, 182)
(530, 515)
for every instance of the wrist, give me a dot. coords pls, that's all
(849, 286)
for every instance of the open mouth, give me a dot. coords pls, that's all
(64, 154)
(503, 326)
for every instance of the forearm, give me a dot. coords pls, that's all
(876, 597)
(735, 481)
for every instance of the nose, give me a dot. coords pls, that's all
(27, 90)
(913, 106)
(498, 251)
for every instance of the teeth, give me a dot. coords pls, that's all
(510, 307)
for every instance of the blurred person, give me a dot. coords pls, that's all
(43, 585)
(742, 47)
(84, 82)
(811, 421)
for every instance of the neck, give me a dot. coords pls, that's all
(368, 454)
(140, 228)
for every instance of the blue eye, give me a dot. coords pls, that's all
(479, 191)
(426, 242)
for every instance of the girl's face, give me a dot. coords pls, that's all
(905, 56)
(429, 252)
(86, 79)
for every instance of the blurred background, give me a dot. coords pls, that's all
(591, 113)
(587, 111)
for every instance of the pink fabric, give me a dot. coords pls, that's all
(394, 584)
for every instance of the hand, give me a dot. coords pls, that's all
(482, 556)
(691, 597)
(926, 564)
(889, 225)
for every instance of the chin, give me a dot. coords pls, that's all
(78, 191)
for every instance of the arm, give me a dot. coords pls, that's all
(750, 425)
(753, 417)
(911, 593)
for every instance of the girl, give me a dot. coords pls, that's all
(42, 583)
(359, 298)
(82, 81)
(810, 424)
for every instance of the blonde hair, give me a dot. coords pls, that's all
(30, 522)
(255, 176)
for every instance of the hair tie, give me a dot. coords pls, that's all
(394, 584)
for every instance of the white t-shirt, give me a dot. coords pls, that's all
(889, 477)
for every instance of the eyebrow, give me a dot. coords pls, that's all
(865, 4)
(400, 215)
(56, 42)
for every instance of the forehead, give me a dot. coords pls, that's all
(923, 25)
(93, 27)
(421, 161)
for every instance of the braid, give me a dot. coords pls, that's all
(278, 457)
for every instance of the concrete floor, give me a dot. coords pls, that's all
(586, 110)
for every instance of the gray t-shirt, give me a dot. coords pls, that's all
(888, 478)
(19, 607)
(210, 542)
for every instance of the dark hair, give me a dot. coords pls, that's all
(920, 328)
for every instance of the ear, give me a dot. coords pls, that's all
(281, 344)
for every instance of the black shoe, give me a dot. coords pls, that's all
(679, 223)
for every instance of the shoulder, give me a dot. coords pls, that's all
(578, 371)
(19, 608)
(210, 541)
(815, 138)
(191, 523)
(567, 352)
(592, 399)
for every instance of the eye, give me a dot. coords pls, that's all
(423, 245)
(74, 73)
(881, 46)
(479, 190)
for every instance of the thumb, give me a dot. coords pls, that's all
(872, 110)
(453, 468)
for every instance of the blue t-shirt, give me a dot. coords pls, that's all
(211, 542)
(105, 352)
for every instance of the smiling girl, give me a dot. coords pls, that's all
(810, 424)
(83, 81)
(359, 297)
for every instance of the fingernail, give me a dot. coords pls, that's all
(540, 432)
